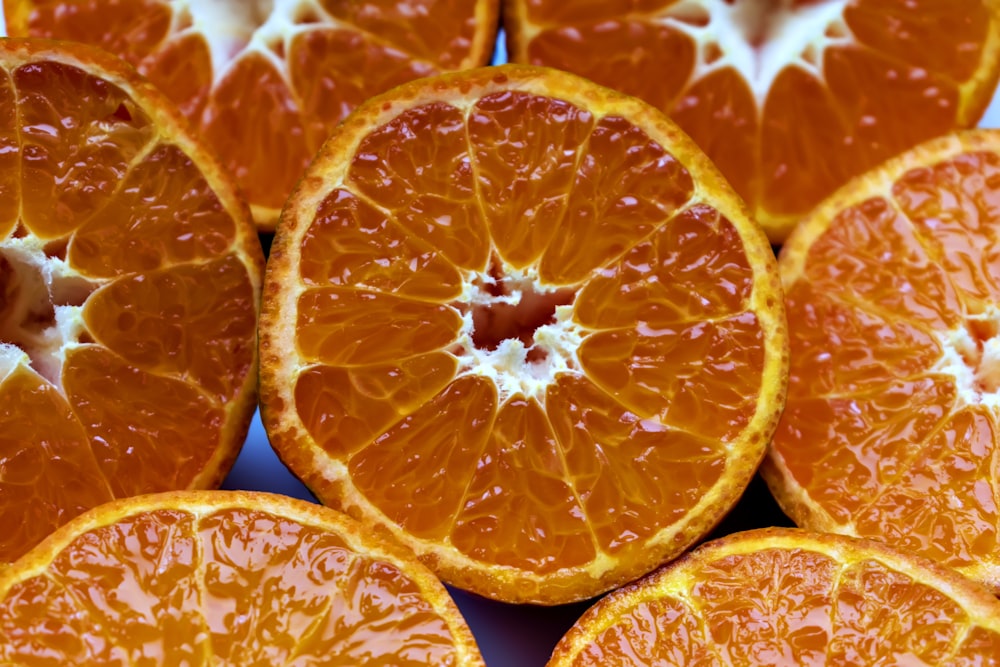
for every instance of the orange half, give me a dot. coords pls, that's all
(893, 299)
(225, 578)
(130, 277)
(521, 323)
(789, 597)
(789, 98)
(264, 82)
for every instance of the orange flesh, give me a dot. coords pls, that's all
(428, 442)
(145, 360)
(894, 85)
(302, 82)
(874, 430)
(235, 587)
(791, 606)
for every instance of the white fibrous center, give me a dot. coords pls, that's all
(971, 354)
(516, 333)
(233, 29)
(759, 38)
(41, 300)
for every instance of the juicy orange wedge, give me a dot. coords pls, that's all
(129, 285)
(789, 597)
(225, 578)
(264, 82)
(790, 98)
(893, 306)
(520, 322)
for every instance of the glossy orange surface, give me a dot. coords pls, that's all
(265, 95)
(890, 426)
(183, 584)
(464, 230)
(797, 600)
(656, 269)
(855, 87)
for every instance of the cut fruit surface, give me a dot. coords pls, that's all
(789, 98)
(130, 278)
(264, 81)
(893, 304)
(789, 597)
(521, 322)
(225, 578)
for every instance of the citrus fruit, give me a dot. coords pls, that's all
(789, 98)
(264, 81)
(893, 305)
(788, 597)
(225, 578)
(130, 277)
(521, 323)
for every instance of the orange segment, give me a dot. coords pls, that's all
(225, 578)
(126, 424)
(265, 82)
(781, 596)
(519, 321)
(789, 99)
(526, 150)
(345, 406)
(545, 527)
(352, 242)
(129, 288)
(150, 319)
(418, 167)
(663, 279)
(51, 482)
(165, 211)
(79, 136)
(890, 428)
(430, 455)
(626, 185)
(349, 326)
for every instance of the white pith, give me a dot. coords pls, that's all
(974, 366)
(235, 29)
(507, 366)
(759, 38)
(40, 280)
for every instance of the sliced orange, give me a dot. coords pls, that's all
(893, 301)
(790, 98)
(225, 578)
(520, 322)
(264, 81)
(130, 277)
(789, 597)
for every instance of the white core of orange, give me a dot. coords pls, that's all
(974, 360)
(234, 29)
(760, 38)
(508, 366)
(41, 306)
